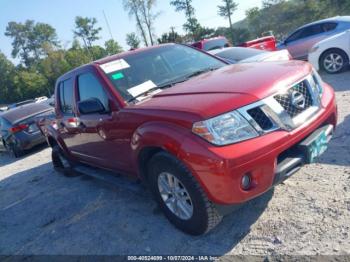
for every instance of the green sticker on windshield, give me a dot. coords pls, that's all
(117, 76)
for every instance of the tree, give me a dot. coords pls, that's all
(86, 29)
(226, 10)
(133, 8)
(133, 41)
(112, 47)
(7, 71)
(170, 37)
(148, 16)
(29, 40)
(192, 25)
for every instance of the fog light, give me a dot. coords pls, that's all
(246, 182)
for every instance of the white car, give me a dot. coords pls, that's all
(332, 54)
(40, 99)
(238, 55)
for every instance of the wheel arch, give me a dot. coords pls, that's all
(330, 49)
(152, 138)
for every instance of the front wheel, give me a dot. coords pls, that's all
(334, 61)
(180, 197)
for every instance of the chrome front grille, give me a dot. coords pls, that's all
(260, 118)
(286, 99)
(288, 109)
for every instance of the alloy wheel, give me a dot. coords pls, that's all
(175, 196)
(333, 62)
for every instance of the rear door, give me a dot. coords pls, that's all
(300, 42)
(66, 114)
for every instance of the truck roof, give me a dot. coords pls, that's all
(114, 57)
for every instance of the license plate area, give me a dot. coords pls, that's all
(316, 144)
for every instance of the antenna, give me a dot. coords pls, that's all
(109, 28)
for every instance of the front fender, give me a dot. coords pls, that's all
(157, 134)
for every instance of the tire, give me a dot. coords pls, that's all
(334, 61)
(60, 162)
(204, 215)
(14, 150)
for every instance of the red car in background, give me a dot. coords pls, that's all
(205, 136)
(264, 43)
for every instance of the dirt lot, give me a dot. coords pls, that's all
(42, 212)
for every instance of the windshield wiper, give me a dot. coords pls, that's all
(162, 86)
(172, 83)
(202, 71)
(144, 93)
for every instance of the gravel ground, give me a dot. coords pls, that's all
(42, 212)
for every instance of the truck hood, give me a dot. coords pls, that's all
(227, 88)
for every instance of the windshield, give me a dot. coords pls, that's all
(239, 53)
(215, 44)
(140, 72)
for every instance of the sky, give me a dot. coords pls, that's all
(61, 13)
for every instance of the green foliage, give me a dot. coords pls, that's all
(192, 25)
(282, 16)
(226, 10)
(28, 40)
(170, 37)
(85, 28)
(112, 47)
(43, 60)
(133, 41)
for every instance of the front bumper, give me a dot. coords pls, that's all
(219, 170)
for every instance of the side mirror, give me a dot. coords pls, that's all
(91, 106)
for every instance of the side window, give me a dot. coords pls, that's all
(65, 90)
(311, 30)
(294, 36)
(329, 26)
(90, 87)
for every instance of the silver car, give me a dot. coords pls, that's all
(301, 40)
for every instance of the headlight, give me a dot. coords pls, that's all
(314, 49)
(225, 129)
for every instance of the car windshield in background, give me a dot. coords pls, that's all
(215, 44)
(236, 54)
(138, 73)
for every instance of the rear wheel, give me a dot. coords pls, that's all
(334, 61)
(179, 195)
(61, 163)
(14, 150)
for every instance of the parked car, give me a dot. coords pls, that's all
(3, 108)
(332, 54)
(212, 43)
(205, 136)
(234, 55)
(40, 99)
(301, 40)
(14, 105)
(264, 43)
(18, 129)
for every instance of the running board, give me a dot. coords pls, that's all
(109, 177)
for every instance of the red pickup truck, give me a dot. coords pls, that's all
(205, 136)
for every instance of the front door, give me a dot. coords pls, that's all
(97, 146)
